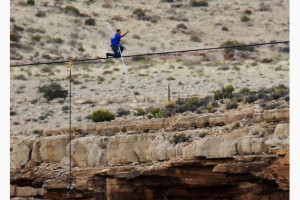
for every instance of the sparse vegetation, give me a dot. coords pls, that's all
(140, 14)
(245, 18)
(30, 2)
(38, 132)
(171, 78)
(225, 28)
(40, 14)
(248, 12)
(198, 3)
(236, 125)
(122, 112)
(178, 138)
(102, 115)
(231, 105)
(90, 22)
(52, 91)
(18, 28)
(81, 49)
(72, 10)
(14, 37)
(234, 44)
(36, 38)
(20, 77)
(139, 112)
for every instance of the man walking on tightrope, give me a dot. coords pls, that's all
(115, 43)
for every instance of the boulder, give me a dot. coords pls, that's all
(53, 149)
(19, 155)
(277, 115)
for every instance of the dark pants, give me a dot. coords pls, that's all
(116, 53)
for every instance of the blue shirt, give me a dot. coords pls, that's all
(115, 40)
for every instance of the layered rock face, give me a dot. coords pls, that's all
(234, 155)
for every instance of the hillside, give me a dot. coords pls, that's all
(220, 132)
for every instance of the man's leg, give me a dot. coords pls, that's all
(121, 48)
(116, 51)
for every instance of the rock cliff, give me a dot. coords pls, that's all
(237, 154)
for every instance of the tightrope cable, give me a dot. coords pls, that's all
(149, 54)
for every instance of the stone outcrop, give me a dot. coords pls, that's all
(140, 159)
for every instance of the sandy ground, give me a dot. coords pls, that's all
(188, 74)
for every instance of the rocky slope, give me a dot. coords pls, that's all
(144, 159)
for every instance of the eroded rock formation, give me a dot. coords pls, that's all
(234, 155)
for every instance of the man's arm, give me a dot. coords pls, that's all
(122, 35)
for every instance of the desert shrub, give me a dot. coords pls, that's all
(18, 28)
(20, 77)
(118, 18)
(52, 91)
(154, 18)
(30, 2)
(195, 38)
(248, 12)
(81, 49)
(251, 98)
(40, 14)
(46, 56)
(140, 14)
(155, 111)
(178, 138)
(36, 38)
(102, 115)
(245, 18)
(236, 125)
(136, 93)
(225, 28)
(58, 40)
(138, 58)
(228, 91)
(14, 37)
(233, 44)
(12, 113)
(38, 132)
(236, 68)
(168, 1)
(107, 72)
(46, 69)
(272, 106)
(139, 112)
(65, 109)
(264, 7)
(170, 78)
(72, 10)
(224, 92)
(244, 91)
(267, 60)
(231, 105)
(100, 79)
(90, 22)
(122, 112)
(197, 3)
(279, 91)
(160, 114)
(181, 26)
(211, 109)
(287, 98)
(225, 67)
(214, 104)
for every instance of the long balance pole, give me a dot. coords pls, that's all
(124, 66)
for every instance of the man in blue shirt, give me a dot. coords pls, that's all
(115, 43)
